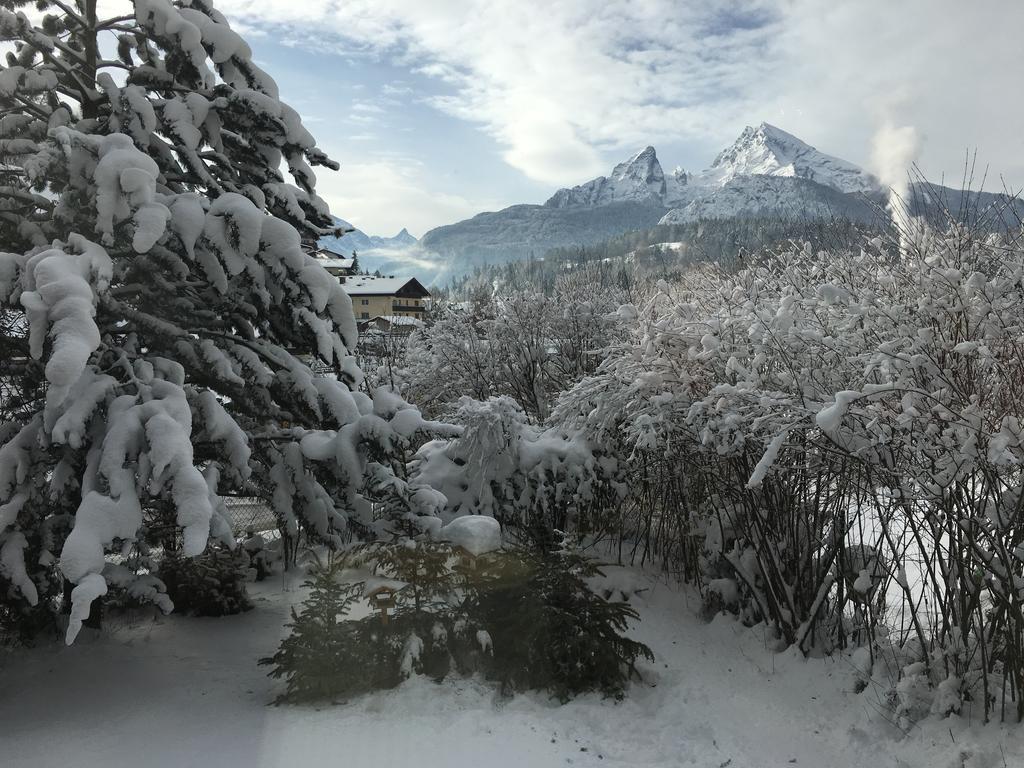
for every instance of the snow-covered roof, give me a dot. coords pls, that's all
(367, 285)
(476, 534)
(399, 320)
(336, 263)
(327, 253)
(332, 260)
(377, 583)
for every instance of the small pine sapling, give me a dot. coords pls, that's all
(430, 609)
(211, 584)
(550, 631)
(326, 655)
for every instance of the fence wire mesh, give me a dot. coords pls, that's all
(246, 511)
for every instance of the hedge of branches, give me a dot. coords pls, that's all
(832, 443)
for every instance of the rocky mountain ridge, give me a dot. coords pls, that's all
(765, 171)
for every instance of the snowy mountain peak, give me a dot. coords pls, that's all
(370, 248)
(762, 150)
(766, 150)
(638, 179)
(404, 238)
(642, 167)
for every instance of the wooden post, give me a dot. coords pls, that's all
(383, 597)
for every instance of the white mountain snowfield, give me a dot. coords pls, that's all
(769, 151)
(736, 182)
(764, 172)
(190, 694)
(639, 179)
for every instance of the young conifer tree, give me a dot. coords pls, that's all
(161, 319)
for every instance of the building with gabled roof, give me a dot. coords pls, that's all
(386, 296)
(390, 324)
(337, 264)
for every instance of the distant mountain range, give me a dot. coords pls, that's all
(400, 255)
(765, 172)
(764, 151)
(358, 241)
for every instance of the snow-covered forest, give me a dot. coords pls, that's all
(559, 514)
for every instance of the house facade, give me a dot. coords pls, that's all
(386, 297)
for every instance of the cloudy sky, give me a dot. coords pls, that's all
(440, 109)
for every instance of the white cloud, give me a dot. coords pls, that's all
(373, 194)
(555, 83)
(558, 83)
(363, 106)
(943, 67)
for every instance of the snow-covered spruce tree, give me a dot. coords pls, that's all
(164, 316)
(427, 631)
(549, 630)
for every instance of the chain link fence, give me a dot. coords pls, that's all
(245, 511)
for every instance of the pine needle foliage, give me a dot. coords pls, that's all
(550, 630)
(523, 618)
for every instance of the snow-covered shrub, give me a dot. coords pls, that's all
(261, 557)
(210, 584)
(523, 343)
(159, 306)
(502, 466)
(22, 623)
(132, 585)
(912, 695)
(837, 436)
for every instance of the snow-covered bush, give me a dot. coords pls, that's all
(22, 623)
(159, 310)
(502, 466)
(132, 585)
(824, 440)
(261, 557)
(524, 343)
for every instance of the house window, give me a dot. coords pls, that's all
(364, 315)
(365, 302)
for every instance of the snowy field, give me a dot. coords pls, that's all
(187, 692)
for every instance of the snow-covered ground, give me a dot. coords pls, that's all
(187, 692)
